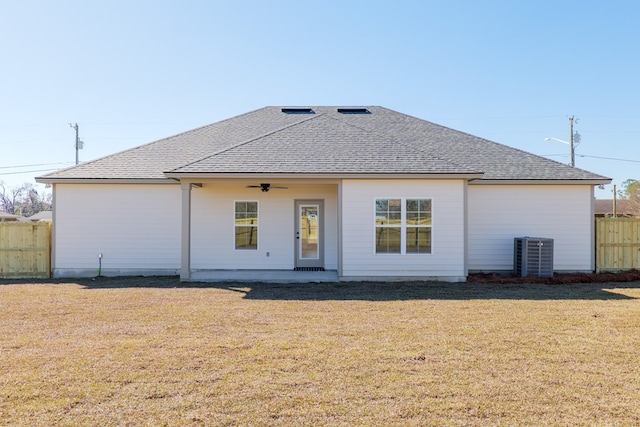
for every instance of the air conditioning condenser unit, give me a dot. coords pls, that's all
(533, 256)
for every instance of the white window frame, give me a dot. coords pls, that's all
(257, 226)
(403, 227)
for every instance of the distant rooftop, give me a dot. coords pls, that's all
(7, 217)
(623, 207)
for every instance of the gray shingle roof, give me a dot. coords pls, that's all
(325, 142)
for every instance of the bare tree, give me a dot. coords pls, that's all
(9, 197)
(23, 200)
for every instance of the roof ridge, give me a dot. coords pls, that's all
(240, 144)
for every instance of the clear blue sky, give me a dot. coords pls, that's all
(130, 72)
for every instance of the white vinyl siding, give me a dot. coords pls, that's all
(499, 213)
(212, 241)
(447, 259)
(136, 228)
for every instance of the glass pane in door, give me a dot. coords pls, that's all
(309, 231)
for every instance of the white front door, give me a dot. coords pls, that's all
(309, 233)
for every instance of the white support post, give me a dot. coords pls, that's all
(185, 265)
(340, 239)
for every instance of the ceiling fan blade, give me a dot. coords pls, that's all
(265, 186)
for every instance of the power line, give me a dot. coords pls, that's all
(593, 157)
(34, 165)
(23, 172)
(32, 141)
(609, 158)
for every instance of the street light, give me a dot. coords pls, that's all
(575, 141)
(556, 139)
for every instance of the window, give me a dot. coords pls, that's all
(403, 226)
(418, 229)
(388, 225)
(246, 225)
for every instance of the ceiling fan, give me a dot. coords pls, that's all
(265, 186)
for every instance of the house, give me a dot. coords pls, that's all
(364, 192)
(40, 216)
(7, 217)
(621, 208)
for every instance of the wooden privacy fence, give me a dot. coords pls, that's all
(25, 250)
(617, 244)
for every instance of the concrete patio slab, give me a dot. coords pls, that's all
(265, 276)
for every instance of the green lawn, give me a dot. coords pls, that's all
(152, 351)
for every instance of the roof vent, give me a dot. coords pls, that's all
(298, 110)
(353, 111)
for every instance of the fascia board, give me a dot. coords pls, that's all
(200, 176)
(105, 181)
(541, 181)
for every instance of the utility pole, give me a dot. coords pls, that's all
(574, 140)
(79, 144)
(571, 152)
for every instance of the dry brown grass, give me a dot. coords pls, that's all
(151, 352)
